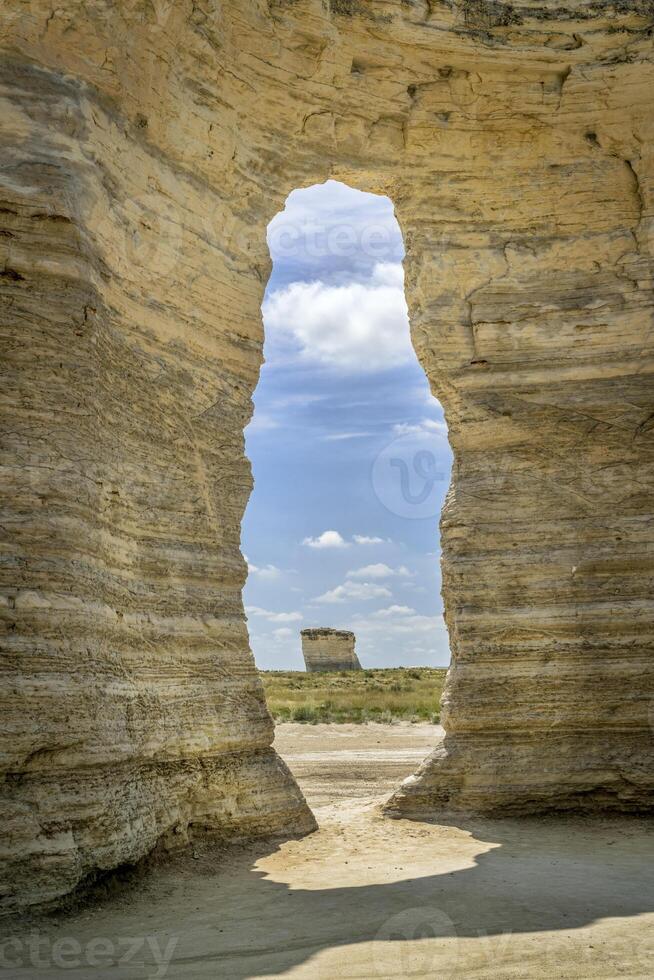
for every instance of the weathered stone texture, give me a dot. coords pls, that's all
(329, 649)
(144, 147)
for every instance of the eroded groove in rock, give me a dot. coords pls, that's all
(144, 150)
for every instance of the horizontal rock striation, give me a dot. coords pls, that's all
(132, 711)
(144, 149)
(329, 649)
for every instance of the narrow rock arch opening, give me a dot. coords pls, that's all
(351, 464)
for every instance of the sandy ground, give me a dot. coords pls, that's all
(367, 897)
(338, 764)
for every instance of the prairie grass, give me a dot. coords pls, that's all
(382, 695)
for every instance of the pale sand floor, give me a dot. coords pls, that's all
(369, 897)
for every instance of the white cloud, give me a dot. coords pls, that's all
(341, 436)
(322, 225)
(380, 570)
(261, 422)
(298, 399)
(355, 590)
(267, 572)
(282, 633)
(328, 539)
(391, 611)
(424, 427)
(334, 539)
(405, 624)
(274, 617)
(358, 326)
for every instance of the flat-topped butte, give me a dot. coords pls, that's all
(327, 649)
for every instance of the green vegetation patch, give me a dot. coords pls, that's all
(384, 695)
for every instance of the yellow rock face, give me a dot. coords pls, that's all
(329, 649)
(144, 148)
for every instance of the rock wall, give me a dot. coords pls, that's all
(329, 649)
(145, 146)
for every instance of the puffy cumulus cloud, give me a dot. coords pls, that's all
(379, 570)
(328, 539)
(353, 591)
(282, 633)
(334, 539)
(274, 617)
(392, 611)
(361, 326)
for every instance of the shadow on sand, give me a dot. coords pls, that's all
(528, 876)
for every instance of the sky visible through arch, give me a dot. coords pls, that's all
(349, 449)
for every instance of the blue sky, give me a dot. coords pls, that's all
(349, 449)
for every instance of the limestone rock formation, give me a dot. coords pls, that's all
(145, 145)
(329, 649)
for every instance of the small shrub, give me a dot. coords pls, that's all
(305, 712)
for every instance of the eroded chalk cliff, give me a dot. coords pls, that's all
(329, 649)
(145, 146)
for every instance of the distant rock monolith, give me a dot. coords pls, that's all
(329, 649)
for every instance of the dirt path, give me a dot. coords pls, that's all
(341, 763)
(367, 897)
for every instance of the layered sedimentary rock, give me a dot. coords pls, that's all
(145, 146)
(329, 649)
